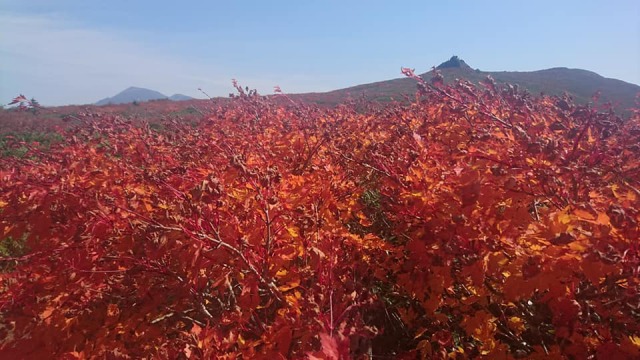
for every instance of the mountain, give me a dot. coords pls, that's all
(453, 63)
(179, 97)
(581, 84)
(132, 94)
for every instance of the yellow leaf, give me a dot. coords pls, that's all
(564, 218)
(635, 340)
(281, 273)
(516, 323)
(614, 189)
(292, 300)
(292, 231)
(291, 285)
(3, 203)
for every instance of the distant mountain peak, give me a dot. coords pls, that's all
(132, 94)
(454, 62)
(133, 88)
(137, 94)
(180, 97)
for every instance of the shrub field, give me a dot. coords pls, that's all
(472, 222)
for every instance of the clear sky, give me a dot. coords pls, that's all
(79, 51)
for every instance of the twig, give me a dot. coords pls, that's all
(365, 165)
(535, 209)
(273, 289)
(200, 323)
(162, 317)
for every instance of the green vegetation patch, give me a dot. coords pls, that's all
(15, 144)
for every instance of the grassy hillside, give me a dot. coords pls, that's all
(580, 84)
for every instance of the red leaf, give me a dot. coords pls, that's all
(329, 346)
(18, 99)
(283, 340)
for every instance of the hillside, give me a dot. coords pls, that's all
(581, 84)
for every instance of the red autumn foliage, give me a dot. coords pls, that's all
(472, 222)
(25, 104)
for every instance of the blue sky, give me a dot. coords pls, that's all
(74, 52)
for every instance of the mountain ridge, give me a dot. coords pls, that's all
(579, 83)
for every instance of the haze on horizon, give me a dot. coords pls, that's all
(77, 52)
